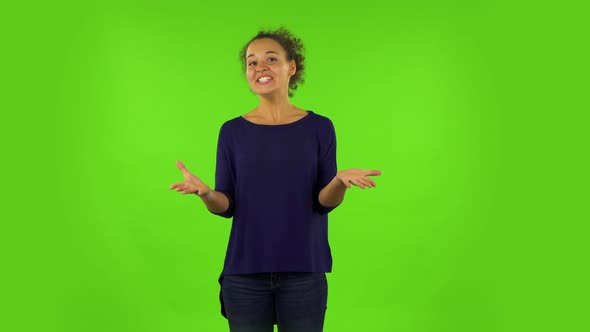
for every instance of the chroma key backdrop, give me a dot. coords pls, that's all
(472, 110)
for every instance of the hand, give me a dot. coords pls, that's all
(191, 183)
(358, 177)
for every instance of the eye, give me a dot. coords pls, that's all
(271, 58)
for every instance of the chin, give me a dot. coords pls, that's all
(263, 93)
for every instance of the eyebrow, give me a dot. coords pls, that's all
(266, 52)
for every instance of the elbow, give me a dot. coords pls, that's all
(325, 209)
(322, 207)
(225, 214)
(229, 211)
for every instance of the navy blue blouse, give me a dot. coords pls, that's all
(272, 176)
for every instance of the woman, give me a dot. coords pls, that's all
(276, 176)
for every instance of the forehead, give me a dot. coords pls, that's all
(262, 45)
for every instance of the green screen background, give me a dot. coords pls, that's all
(476, 223)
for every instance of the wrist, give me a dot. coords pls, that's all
(205, 194)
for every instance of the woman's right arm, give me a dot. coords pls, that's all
(216, 201)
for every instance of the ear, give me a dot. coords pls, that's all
(292, 68)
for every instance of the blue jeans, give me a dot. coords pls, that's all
(296, 301)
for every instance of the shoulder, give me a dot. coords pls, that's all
(228, 129)
(322, 121)
(231, 123)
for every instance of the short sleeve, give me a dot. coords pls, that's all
(224, 172)
(327, 167)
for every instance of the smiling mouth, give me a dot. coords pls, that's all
(264, 80)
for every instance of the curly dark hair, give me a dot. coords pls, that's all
(292, 46)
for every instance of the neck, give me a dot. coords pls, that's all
(275, 107)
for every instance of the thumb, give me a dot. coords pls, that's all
(182, 167)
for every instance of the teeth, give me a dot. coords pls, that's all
(264, 79)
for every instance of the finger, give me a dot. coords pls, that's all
(366, 182)
(347, 184)
(373, 172)
(357, 183)
(360, 182)
(175, 184)
(188, 190)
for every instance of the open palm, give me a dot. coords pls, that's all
(191, 183)
(358, 177)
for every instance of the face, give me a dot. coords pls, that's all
(266, 58)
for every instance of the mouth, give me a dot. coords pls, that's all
(264, 80)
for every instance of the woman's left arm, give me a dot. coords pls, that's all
(333, 192)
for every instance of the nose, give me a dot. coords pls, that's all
(260, 68)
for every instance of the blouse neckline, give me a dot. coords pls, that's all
(309, 113)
